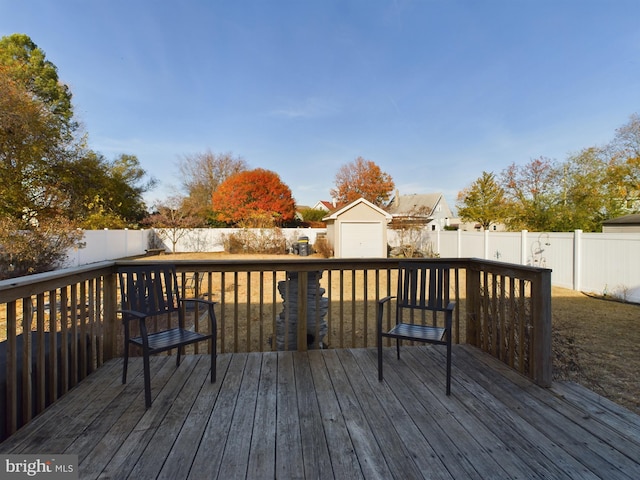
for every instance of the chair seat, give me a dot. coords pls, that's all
(169, 339)
(410, 331)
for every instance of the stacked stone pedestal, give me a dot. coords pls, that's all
(317, 307)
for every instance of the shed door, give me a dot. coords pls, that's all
(361, 240)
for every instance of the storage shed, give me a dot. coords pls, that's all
(624, 224)
(358, 230)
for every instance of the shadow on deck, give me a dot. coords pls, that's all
(323, 414)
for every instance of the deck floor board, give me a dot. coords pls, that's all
(323, 414)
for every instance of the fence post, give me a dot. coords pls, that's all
(303, 285)
(541, 318)
(486, 244)
(523, 247)
(577, 259)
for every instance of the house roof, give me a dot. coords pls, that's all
(324, 205)
(327, 205)
(633, 219)
(422, 204)
(336, 213)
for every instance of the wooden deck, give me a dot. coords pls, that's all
(323, 414)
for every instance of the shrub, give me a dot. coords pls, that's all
(323, 247)
(34, 248)
(313, 214)
(269, 240)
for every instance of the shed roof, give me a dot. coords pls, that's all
(335, 214)
(633, 219)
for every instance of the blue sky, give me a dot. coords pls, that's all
(433, 91)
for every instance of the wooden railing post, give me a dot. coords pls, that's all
(541, 318)
(303, 286)
(110, 319)
(472, 304)
(12, 369)
(27, 348)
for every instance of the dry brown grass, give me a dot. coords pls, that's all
(596, 344)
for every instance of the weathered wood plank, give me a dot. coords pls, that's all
(509, 446)
(181, 456)
(72, 411)
(394, 451)
(262, 453)
(546, 458)
(418, 391)
(409, 433)
(289, 461)
(576, 438)
(314, 444)
(344, 462)
(138, 425)
(236, 453)
(601, 409)
(162, 441)
(214, 437)
(323, 414)
(363, 439)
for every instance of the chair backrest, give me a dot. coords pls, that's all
(150, 289)
(423, 286)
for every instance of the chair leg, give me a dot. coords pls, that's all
(449, 368)
(213, 365)
(147, 381)
(398, 347)
(379, 358)
(125, 364)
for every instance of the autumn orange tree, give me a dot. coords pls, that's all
(362, 178)
(254, 198)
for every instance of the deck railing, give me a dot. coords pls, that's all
(296, 303)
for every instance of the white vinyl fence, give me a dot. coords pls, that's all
(602, 263)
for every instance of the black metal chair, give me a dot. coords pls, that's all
(423, 310)
(152, 291)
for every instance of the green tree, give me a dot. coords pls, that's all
(312, 214)
(26, 63)
(531, 195)
(128, 182)
(362, 178)
(483, 201)
(30, 151)
(582, 200)
(93, 187)
(624, 167)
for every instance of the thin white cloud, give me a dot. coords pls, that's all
(312, 107)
